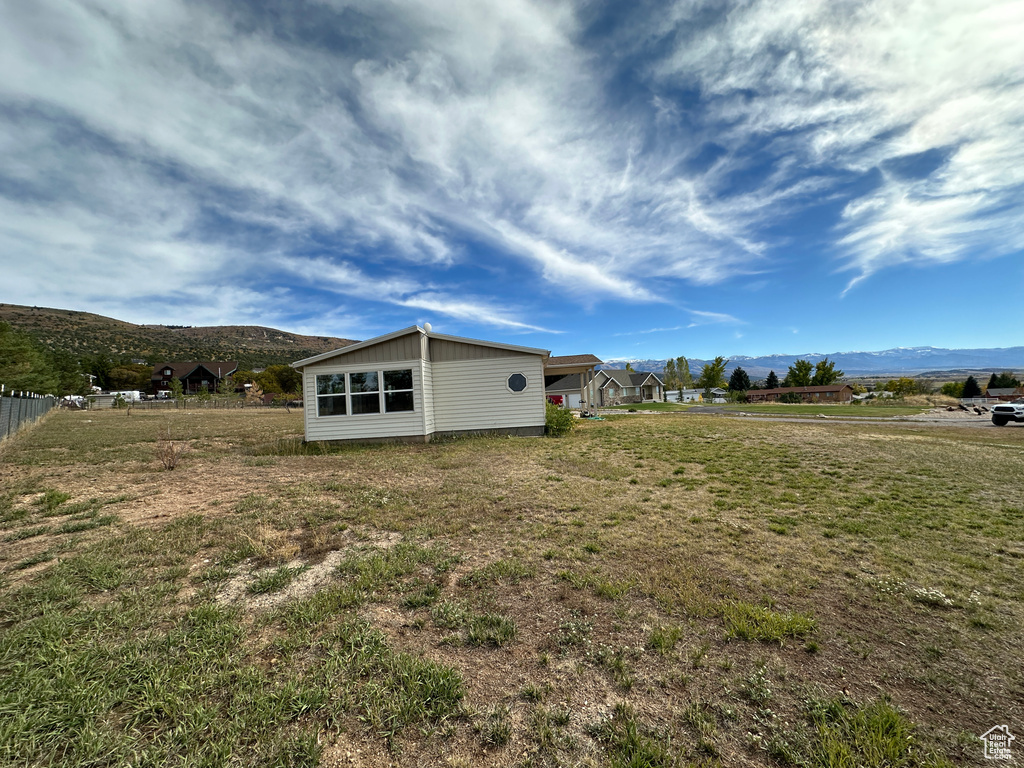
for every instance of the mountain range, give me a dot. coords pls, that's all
(85, 335)
(900, 361)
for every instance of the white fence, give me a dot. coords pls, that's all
(18, 409)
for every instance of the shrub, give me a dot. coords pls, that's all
(557, 421)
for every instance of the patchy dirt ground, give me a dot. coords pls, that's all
(628, 527)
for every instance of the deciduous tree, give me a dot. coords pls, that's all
(683, 370)
(799, 374)
(825, 373)
(712, 375)
(671, 377)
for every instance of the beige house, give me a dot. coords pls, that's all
(412, 384)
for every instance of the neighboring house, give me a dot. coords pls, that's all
(611, 387)
(413, 384)
(566, 391)
(1008, 394)
(833, 393)
(618, 387)
(194, 377)
(718, 395)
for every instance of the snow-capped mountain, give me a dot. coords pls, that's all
(897, 361)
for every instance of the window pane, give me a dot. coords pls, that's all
(366, 403)
(397, 401)
(330, 384)
(517, 382)
(331, 406)
(397, 380)
(363, 382)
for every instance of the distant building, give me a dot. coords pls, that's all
(194, 377)
(832, 393)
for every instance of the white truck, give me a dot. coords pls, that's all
(1004, 413)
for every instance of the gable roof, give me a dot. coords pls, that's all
(569, 383)
(218, 368)
(626, 378)
(571, 361)
(410, 330)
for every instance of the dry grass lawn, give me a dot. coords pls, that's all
(647, 591)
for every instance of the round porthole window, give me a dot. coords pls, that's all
(516, 382)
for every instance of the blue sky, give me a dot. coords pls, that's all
(629, 179)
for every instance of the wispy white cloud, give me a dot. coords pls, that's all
(857, 86)
(201, 143)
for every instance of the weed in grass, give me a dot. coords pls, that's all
(574, 634)
(756, 686)
(614, 660)
(744, 621)
(848, 736)
(547, 727)
(628, 744)
(511, 571)
(533, 692)
(700, 716)
(490, 629)
(28, 562)
(449, 614)
(77, 526)
(275, 580)
(421, 598)
(496, 728)
(699, 654)
(27, 533)
(664, 639)
(170, 452)
(51, 499)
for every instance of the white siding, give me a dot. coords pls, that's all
(369, 425)
(472, 394)
(428, 397)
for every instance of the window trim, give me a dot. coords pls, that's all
(381, 393)
(508, 380)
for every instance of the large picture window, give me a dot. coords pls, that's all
(330, 394)
(340, 394)
(365, 392)
(398, 390)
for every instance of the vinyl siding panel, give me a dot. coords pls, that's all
(472, 394)
(363, 426)
(403, 348)
(428, 397)
(444, 351)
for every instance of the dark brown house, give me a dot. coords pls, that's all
(194, 377)
(833, 393)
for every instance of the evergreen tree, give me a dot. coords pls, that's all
(1004, 380)
(739, 381)
(772, 382)
(971, 388)
(799, 374)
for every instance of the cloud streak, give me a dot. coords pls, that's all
(490, 161)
